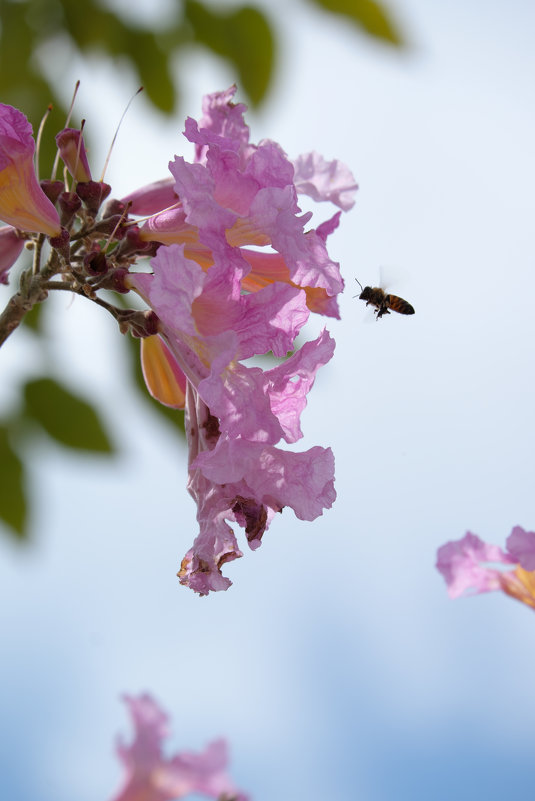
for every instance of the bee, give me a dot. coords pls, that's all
(383, 301)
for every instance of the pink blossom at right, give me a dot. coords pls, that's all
(152, 776)
(471, 566)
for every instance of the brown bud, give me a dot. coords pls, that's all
(93, 193)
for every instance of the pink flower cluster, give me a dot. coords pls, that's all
(471, 566)
(221, 302)
(150, 776)
(237, 272)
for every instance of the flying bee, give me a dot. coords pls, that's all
(383, 301)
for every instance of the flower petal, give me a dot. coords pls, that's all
(460, 564)
(521, 547)
(325, 180)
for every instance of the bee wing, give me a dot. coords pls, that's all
(385, 277)
(394, 279)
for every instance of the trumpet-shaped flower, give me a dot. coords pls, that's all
(23, 204)
(150, 776)
(471, 566)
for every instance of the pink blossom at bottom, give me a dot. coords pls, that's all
(150, 776)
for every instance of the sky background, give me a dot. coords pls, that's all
(336, 665)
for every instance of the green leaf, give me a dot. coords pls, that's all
(369, 15)
(94, 28)
(33, 318)
(12, 488)
(66, 417)
(152, 64)
(242, 36)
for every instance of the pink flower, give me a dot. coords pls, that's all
(152, 198)
(471, 566)
(220, 303)
(11, 246)
(72, 150)
(150, 776)
(236, 413)
(23, 204)
(243, 195)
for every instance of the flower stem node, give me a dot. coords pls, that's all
(69, 204)
(133, 245)
(96, 263)
(61, 244)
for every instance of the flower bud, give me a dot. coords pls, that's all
(71, 148)
(93, 193)
(113, 207)
(52, 189)
(69, 203)
(61, 243)
(134, 244)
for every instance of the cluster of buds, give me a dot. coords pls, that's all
(235, 274)
(91, 247)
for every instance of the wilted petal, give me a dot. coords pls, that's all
(23, 204)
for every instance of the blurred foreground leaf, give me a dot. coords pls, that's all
(369, 15)
(243, 36)
(66, 417)
(12, 488)
(94, 28)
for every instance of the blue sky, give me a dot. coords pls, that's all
(336, 665)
